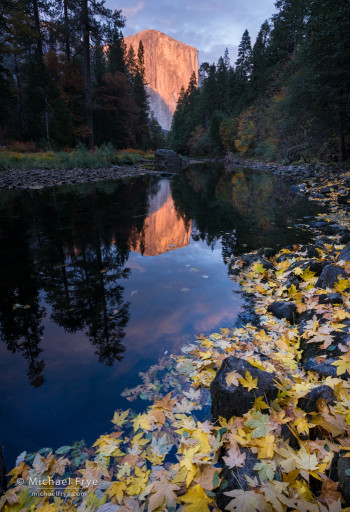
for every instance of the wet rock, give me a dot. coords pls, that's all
(236, 478)
(293, 280)
(344, 477)
(345, 253)
(320, 224)
(330, 298)
(345, 238)
(317, 195)
(334, 229)
(167, 160)
(248, 260)
(330, 276)
(309, 402)
(310, 251)
(281, 309)
(343, 199)
(313, 265)
(324, 369)
(267, 252)
(228, 401)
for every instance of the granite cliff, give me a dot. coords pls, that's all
(169, 65)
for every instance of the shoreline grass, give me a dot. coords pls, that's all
(105, 156)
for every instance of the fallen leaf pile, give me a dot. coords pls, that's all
(173, 457)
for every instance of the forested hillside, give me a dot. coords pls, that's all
(65, 77)
(286, 97)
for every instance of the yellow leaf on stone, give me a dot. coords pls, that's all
(248, 382)
(232, 378)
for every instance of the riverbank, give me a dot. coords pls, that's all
(39, 178)
(283, 379)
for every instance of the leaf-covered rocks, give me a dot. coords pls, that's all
(229, 401)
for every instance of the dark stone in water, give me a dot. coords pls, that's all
(167, 160)
(334, 229)
(228, 401)
(330, 276)
(345, 238)
(267, 252)
(281, 309)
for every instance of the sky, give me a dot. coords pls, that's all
(210, 26)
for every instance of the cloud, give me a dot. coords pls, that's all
(130, 12)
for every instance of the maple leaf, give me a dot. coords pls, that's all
(234, 457)
(117, 491)
(343, 365)
(265, 469)
(259, 268)
(60, 466)
(266, 446)
(141, 421)
(259, 423)
(329, 493)
(259, 404)
(248, 382)
(246, 501)
(160, 446)
(197, 499)
(163, 495)
(120, 419)
(232, 378)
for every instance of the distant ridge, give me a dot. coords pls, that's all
(169, 65)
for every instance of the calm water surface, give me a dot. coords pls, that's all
(99, 280)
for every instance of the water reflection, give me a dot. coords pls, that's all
(164, 229)
(82, 310)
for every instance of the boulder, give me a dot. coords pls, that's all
(309, 402)
(330, 276)
(228, 401)
(267, 252)
(167, 160)
(314, 265)
(330, 298)
(345, 238)
(345, 253)
(334, 229)
(343, 199)
(248, 260)
(324, 369)
(292, 280)
(310, 251)
(281, 309)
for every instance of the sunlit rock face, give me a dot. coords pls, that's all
(163, 230)
(169, 65)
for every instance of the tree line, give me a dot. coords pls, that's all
(286, 97)
(66, 77)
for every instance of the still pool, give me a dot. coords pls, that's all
(98, 281)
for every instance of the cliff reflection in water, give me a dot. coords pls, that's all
(163, 229)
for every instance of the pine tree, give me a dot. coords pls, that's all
(244, 60)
